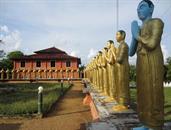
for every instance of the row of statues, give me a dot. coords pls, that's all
(38, 74)
(108, 71)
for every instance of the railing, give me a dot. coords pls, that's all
(39, 74)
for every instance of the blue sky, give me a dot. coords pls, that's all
(80, 27)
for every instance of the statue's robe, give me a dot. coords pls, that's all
(101, 74)
(123, 74)
(94, 74)
(105, 75)
(150, 73)
(111, 74)
(98, 74)
(113, 50)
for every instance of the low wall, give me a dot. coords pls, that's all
(40, 80)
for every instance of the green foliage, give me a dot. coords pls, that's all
(14, 54)
(7, 63)
(24, 100)
(168, 60)
(167, 76)
(82, 67)
(2, 53)
(167, 105)
(132, 73)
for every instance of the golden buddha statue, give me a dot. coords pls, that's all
(101, 72)
(110, 58)
(98, 71)
(94, 73)
(123, 73)
(105, 72)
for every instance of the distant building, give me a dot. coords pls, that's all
(50, 63)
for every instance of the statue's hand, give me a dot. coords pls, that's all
(135, 29)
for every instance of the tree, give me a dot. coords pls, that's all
(14, 54)
(132, 73)
(2, 53)
(6, 63)
(167, 75)
(82, 67)
(168, 60)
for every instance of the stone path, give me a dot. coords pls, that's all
(68, 114)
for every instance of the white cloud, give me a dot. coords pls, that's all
(74, 53)
(73, 26)
(132, 60)
(165, 52)
(92, 53)
(11, 39)
(4, 29)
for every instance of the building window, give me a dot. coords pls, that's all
(68, 64)
(52, 63)
(38, 64)
(22, 63)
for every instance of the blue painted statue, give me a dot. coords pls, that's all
(150, 67)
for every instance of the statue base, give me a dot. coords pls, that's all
(113, 120)
(119, 108)
(109, 99)
(141, 128)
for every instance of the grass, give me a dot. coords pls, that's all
(167, 105)
(23, 101)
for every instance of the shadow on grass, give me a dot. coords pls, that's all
(167, 113)
(167, 106)
(10, 126)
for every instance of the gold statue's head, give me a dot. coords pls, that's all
(105, 49)
(120, 35)
(100, 53)
(97, 56)
(109, 43)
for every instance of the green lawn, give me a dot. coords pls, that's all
(24, 100)
(167, 105)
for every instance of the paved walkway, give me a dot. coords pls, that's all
(68, 114)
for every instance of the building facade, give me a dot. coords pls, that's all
(50, 63)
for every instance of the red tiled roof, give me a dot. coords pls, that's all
(51, 50)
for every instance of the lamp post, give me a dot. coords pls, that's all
(40, 99)
(62, 87)
(69, 81)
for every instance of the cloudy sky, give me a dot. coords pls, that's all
(80, 27)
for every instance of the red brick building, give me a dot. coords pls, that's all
(50, 63)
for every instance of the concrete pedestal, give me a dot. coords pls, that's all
(111, 120)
